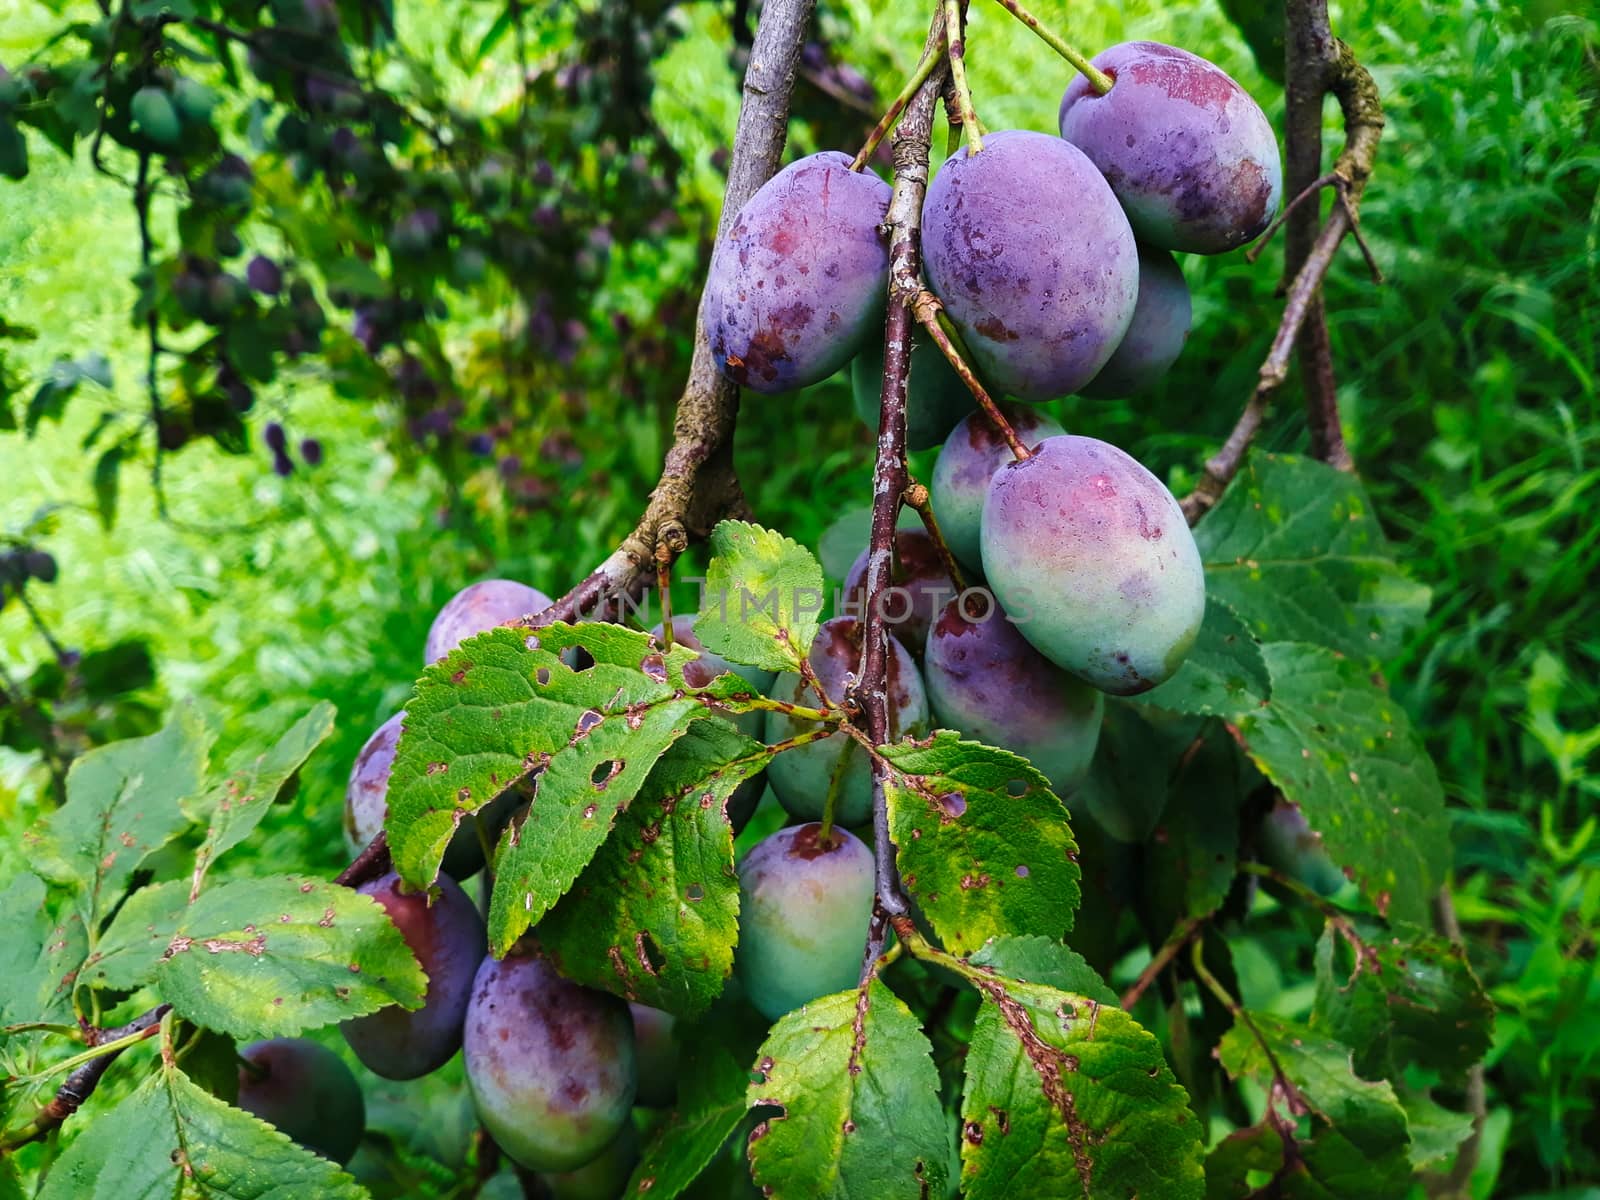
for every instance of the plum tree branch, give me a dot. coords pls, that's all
(699, 485)
(1318, 64)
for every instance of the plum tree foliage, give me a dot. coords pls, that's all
(1046, 742)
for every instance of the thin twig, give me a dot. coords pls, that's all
(956, 48)
(925, 67)
(1180, 937)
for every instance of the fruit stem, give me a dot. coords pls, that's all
(830, 805)
(916, 497)
(925, 67)
(1098, 79)
(664, 590)
(957, 48)
(930, 313)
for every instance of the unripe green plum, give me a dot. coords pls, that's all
(307, 1092)
(801, 776)
(804, 905)
(1092, 558)
(550, 1063)
(971, 455)
(935, 396)
(154, 117)
(603, 1177)
(656, 1051)
(1291, 846)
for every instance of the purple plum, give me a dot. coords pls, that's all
(798, 283)
(305, 1090)
(1187, 151)
(972, 453)
(1156, 335)
(709, 666)
(478, 608)
(921, 583)
(1034, 261)
(448, 939)
(1092, 558)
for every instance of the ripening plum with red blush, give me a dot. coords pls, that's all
(798, 283)
(1034, 261)
(971, 455)
(1156, 335)
(550, 1063)
(447, 937)
(1188, 152)
(306, 1091)
(478, 608)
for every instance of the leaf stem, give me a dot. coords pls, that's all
(957, 48)
(1098, 79)
(930, 59)
(929, 312)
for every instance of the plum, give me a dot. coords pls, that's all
(971, 455)
(797, 284)
(604, 1177)
(1034, 261)
(1291, 846)
(1187, 151)
(366, 805)
(656, 1051)
(925, 585)
(801, 777)
(305, 1090)
(1092, 558)
(804, 904)
(448, 939)
(1156, 335)
(478, 608)
(986, 681)
(709, 666)
(935, 396)
(550, 1063)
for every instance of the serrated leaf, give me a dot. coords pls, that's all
(1041, 960)
(124, 801)
(1345, 752)
(1295, 549)
(235, 806)
(654, 917)
(41, 949)
(983, 845)
(762, 600)
(1435, 1130)
(1403, 998)
(1067, 1095)
(1359, 1144)
(171, 1140)
(711, 1105)
(854, 1079)
(260, 957)
(503, 705)
(1223, 674)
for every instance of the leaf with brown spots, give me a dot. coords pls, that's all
(762, 600)
(171, 1138)
(665, 874)
(43, 947)
(982, 843)
(1066, 1096)
(260, 957)
(853, 1077)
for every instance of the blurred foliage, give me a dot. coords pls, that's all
(456, 271)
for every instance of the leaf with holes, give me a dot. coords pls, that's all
(1401, 998)
(260, 957)
(854, 1079)
(42, 947)
(762, 600)
(170, 1138)
(982, 843)
(1062, 1088)
(1223, 673)
(711, 1104)
(1344, 751)
(1295, 549)
(124, 801)
(654, 917)
(1359, 1143)
(1041, 960)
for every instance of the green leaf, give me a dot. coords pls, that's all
(1040, 960)
(982, 843)
(171, 1139)
(1401, 998)
(260, 957)
(1345, 752)
(1257, 1149)
(124, 801)
(762, 600)
(654, 917)
(1435, 1130)
(1359, 1144)
(1224, 673)
(1059, 1088)
(41, 950)
(503, 705)
(107, 478)
(854, 1079)
(1191, 858)
(1140, 749)
(235, 806)
(711, 1103)
(1295, 549)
